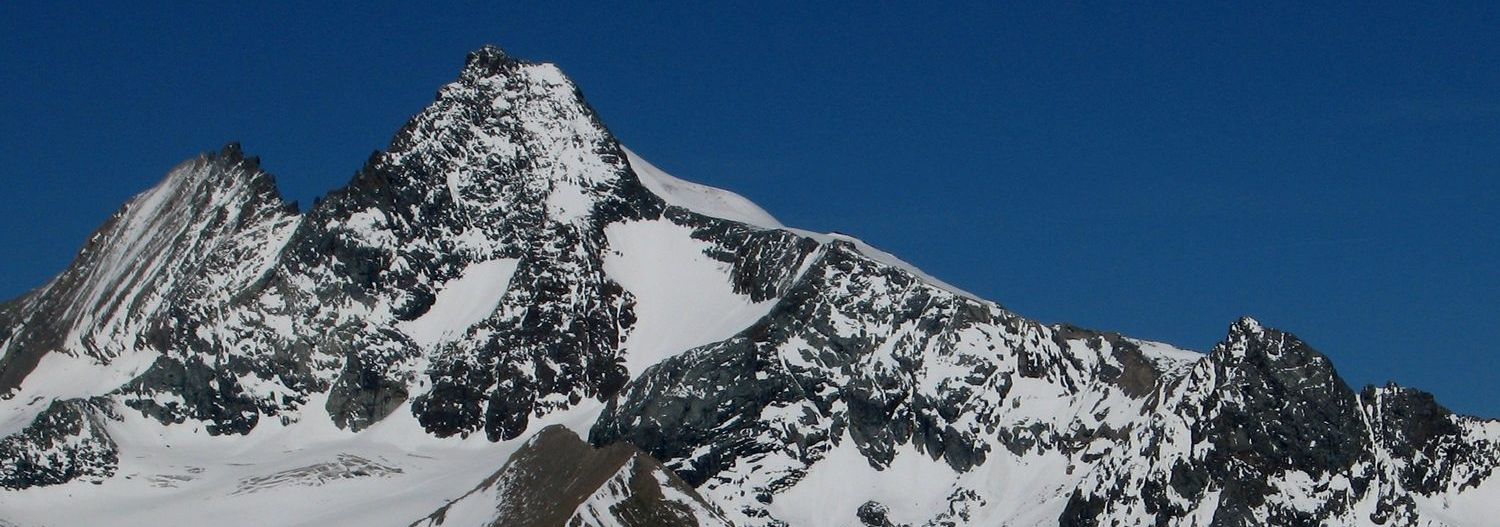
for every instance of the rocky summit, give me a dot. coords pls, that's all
(509, 318)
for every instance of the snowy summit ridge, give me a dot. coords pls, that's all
(508, 318)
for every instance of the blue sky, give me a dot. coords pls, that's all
(1333, 171)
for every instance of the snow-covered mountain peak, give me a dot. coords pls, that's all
(489, 59)
(1250, 342)
(492, 67)
(1242, 330)
(213, 180)
(147, 256)
(506, 265)
(1246, 325)
(507, 135)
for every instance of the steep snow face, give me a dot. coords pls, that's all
(703, 199)
(683, 297)
(462, 302)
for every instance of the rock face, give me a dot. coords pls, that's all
(66, 442)
(506, 264)
(1256, 376)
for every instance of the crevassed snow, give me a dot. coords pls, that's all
(683, 298)
(703, 199)
(308, 473)
(178, 475)
(463, 302)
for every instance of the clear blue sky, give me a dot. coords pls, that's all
(1332, 171)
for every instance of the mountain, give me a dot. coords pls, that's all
(432, 343)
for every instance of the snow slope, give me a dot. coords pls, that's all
(703, 199)
(683, 298)
(463, 302)
(310, 473)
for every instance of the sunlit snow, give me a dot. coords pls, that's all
(463, 302)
